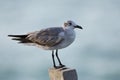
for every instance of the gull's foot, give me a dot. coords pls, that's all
(57, 67)
(62, 66)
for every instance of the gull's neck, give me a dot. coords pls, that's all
(69, 31)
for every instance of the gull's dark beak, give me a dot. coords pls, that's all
(77, 26)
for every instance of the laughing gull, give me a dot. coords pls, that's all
(53, 38)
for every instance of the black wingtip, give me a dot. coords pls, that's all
(9, 35)
(12, 35)
(17, 36)
(20, 38)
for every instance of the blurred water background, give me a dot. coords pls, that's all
(95, 54)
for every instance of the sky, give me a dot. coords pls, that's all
(95, 53)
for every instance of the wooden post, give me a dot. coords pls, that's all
(63, 74)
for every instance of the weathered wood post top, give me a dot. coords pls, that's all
(63, 74)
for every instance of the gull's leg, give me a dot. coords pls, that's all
(61, 65)
(53, 59)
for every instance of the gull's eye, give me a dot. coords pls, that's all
(69, 23)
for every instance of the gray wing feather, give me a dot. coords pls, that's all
(47, 37)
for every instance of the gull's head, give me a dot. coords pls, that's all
(71, 25)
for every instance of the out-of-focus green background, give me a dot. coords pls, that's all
(95, 54)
